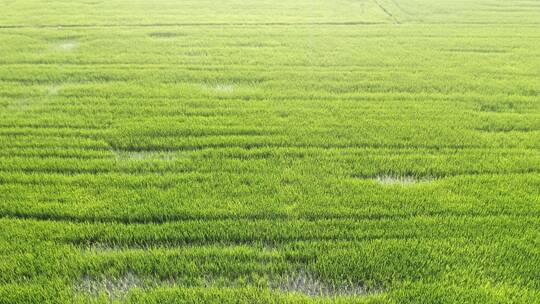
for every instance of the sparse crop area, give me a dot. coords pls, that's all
(270, 151)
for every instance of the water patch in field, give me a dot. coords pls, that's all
(115, 289)
(67, 45)
(403, 180)
(299, 282)
(305, 283)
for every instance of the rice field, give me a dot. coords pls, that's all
(262, 151)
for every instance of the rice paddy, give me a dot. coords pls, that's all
(310, 151)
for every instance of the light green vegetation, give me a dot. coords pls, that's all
(266, 151)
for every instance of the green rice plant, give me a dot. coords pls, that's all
(355, 151)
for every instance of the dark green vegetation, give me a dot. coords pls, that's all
(265, 151)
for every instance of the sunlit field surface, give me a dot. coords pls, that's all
(263, 151)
